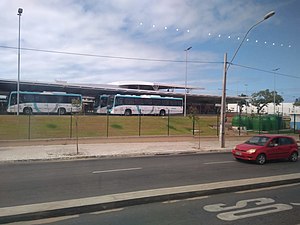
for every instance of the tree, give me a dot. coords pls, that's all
(243, 102)
(263, 98)
(297, 102)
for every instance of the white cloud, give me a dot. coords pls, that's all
(112, 28)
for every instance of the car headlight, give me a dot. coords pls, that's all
(251, 151)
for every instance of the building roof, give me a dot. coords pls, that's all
(93, 90)
(144, 85)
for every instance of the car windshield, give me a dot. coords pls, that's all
(258, 140)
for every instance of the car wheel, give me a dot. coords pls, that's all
(261, 159)
(294, 157)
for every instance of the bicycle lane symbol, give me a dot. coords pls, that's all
(238, 212)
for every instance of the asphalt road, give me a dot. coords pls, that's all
(277, 205)
(27, 183)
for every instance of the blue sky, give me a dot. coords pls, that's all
(136, 40)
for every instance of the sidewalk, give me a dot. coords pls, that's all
(110, 147)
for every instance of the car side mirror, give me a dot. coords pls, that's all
(273, 145)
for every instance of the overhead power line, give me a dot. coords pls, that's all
(266, 71)
(111, 57)
(149, 60)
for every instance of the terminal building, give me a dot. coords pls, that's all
(205, 104)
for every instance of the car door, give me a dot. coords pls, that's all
(273, 147)
(285, 147)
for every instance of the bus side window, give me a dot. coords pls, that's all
(51, 99)
(26, 98)
(156, 102)
(129, 101)
(166, 102)
(39, 99)
(148, 101)
(139, 101)
(119, 101)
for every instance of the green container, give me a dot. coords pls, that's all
(257, 123)
(276, 122)
(235, 121)
(246, 122)
(266, 124)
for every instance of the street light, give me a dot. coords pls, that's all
(225, 69)
(185, 83)
(20, 10)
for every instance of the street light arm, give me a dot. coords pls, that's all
(238, 48)
(267, 16)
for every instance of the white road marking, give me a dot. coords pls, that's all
(187, 199)
(116, 170)
(107, 211)
(257, 211)
(239, 205)
(221, 162)
(297, 204)
(44, 221)
(239, 213)
(267, 188)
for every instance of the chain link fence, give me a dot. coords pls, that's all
(29, 127)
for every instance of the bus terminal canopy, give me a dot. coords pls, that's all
(93, 90)
(142, 85)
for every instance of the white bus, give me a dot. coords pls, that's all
(100, 105)
(139, 105)
(44, 102)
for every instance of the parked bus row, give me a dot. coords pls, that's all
(65, 103)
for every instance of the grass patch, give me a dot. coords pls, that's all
(116, 126)
(53, 126)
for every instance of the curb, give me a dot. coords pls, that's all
(98, 203)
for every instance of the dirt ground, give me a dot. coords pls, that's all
(131, 139)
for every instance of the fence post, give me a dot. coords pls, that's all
(278, 123)
(193, 125)
(240, 122)
(107, 123)
(294, 123)
(259, 123)
(218, 125)
(29, 128)
(140, 123)
(168, 122)
(71, 125)
(76, 124)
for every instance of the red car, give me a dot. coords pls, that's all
(267, 147)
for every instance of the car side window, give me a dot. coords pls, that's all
(274, 142)
(285, 141)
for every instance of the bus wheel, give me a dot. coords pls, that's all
(162, 112)
(61, 111)
(27, 111)
(127, 112)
